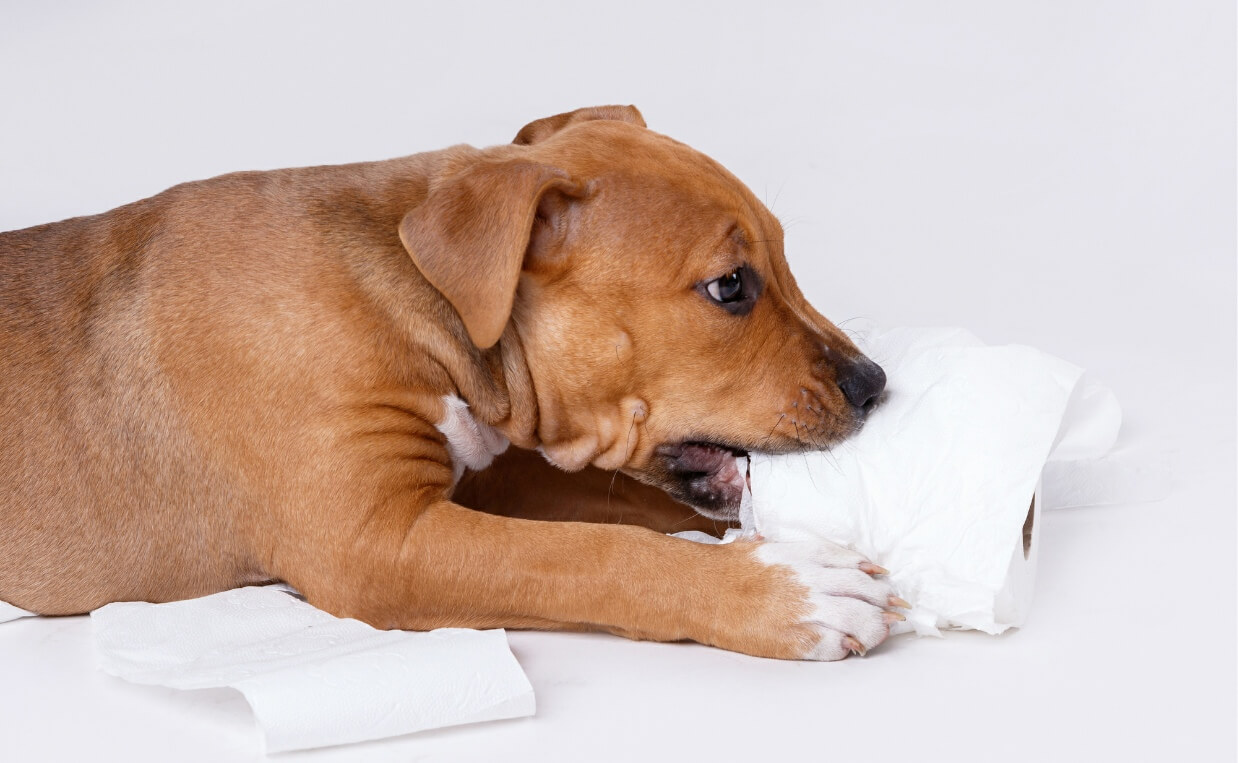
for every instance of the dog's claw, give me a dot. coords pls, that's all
(893, 617)
(854, 645)
(873, 569)
(897, 602)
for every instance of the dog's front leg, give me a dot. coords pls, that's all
(444, 565)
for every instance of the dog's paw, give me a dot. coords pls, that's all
(837, 605)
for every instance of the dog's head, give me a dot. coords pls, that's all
(649, 294)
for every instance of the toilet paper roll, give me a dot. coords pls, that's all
(942, 486)
(312, 679)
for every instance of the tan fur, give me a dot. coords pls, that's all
(238, 380)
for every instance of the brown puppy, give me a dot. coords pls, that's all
(284, 375)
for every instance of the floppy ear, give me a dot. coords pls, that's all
(537, 131)
(471, 235)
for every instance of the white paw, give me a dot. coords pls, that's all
(846, 606)
(471, 443)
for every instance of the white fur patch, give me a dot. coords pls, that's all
(472, 444)
(843, 600)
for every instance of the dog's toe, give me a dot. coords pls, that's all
(845, 604)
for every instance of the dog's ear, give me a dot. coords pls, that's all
(541, 129)
(471, 236)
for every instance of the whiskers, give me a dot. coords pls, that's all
(610, 489)
(766, 439)
(718, 531)
(807, 437)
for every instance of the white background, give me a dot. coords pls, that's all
(1060, 174)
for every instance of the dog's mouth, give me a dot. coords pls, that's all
(708, 476)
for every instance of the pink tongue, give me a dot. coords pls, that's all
(704, 458)
(721, 465)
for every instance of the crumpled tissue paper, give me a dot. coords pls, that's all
(314, 680)
(942, 486)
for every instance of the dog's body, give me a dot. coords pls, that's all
(302, 375)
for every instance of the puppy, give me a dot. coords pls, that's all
(285, 376)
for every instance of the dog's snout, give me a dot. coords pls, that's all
(861, 381)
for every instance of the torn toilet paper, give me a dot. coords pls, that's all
(314, 680)
(941, 485)
(9, 612)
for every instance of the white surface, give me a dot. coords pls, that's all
(1054, 174)
(313, 680)
(937, 486)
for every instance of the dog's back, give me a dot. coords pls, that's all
(162, 364)
(92, 449)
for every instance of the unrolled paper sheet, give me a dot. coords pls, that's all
(9, 612)
(312, 679)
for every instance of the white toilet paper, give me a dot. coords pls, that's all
(938, 487)
(10, 612)
(312, 679)
(1083, 468)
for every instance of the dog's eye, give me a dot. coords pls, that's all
(736, 292)
(728, 288)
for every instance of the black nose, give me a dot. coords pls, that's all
(861, 381)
